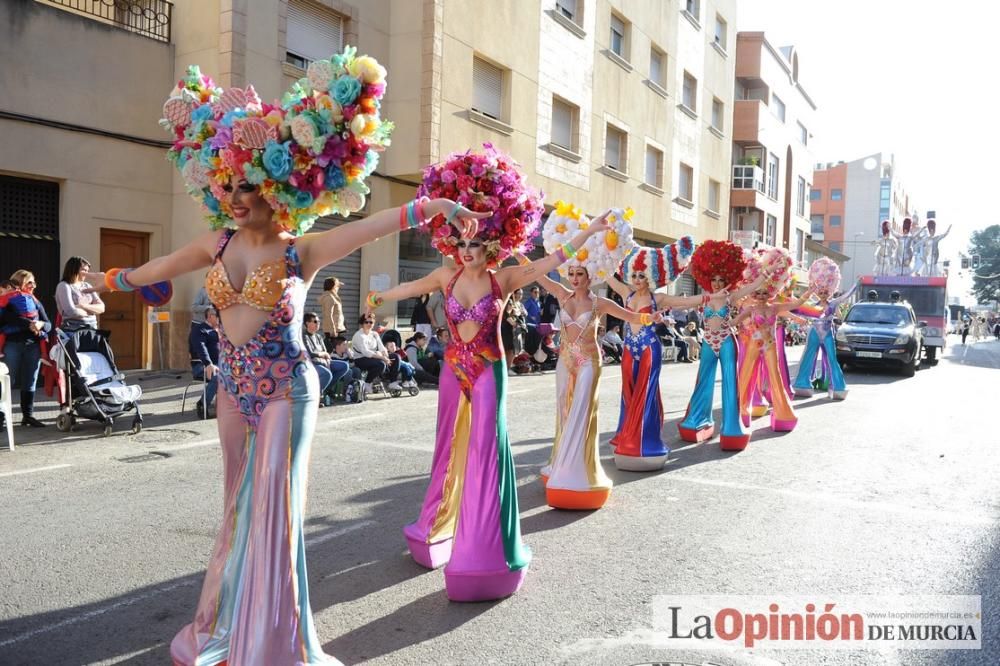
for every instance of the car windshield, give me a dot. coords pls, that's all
(879, 314)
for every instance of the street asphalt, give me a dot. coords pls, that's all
(893, 491)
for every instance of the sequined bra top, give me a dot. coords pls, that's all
(262, 288)
(721, 313)
(484, 312)
(470, 359)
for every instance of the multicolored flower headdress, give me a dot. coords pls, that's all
(824, 276)
(717, 258)
(485, 182)
(602, 253)
(775, 263)
(309, 154)
(662, 265)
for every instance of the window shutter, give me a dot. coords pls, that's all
(312, 33)
(655, 64)
(562, 124)
(612, 151)
(651, 167)
(567, 8)
(487, 88)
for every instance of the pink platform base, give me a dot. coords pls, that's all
(483, 586)
(803, 392)
(734, 442)
(838, 395)
(781, 425)
(430, 555)
(700, 435)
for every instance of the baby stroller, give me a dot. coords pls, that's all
(94, 387)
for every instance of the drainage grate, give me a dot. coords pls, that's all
(146, 457)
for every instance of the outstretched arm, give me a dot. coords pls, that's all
(945, 233)
(843, 297)
(554, 287)
(436, 279)
(749, 289)
(618, 287)
(606, 306)
(663, 301)
(196, 254)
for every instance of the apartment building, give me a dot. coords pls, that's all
(604, 103)
(849, 200)
(772, 159)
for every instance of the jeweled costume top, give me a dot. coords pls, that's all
(469, 359)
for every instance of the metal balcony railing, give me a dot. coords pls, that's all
(149, 18)
(748, 177)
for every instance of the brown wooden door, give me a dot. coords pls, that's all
(125, 314)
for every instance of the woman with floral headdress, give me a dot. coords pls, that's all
(762, 315)
(573, 477)
(264, 172)
(469, 518)
(638, 443)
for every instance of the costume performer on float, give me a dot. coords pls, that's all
(931, 249)
(824, 278)
(264, 173)
(717, 266)
(574, 478)
(469, 518)
(885, 251)
(906, 246)
(762, 314)
(638, 443)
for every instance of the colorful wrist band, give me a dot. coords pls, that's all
(569, 250)
(523, 260)
(115, 280)
(403, 225)
(373, 299)
(645, 319)
(560, 254)
(453, 213)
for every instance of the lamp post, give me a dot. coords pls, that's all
(854, 249)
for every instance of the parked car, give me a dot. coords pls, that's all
(881, 334)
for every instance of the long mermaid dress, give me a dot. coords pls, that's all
(763, 347)
(638, 444)
(574, 478)
(469, 517)
(254, 606)
(822, 338)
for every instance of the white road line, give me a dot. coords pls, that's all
(358, 417)
(97, 612)
(33, 470)
(940, 514)
(188, 445)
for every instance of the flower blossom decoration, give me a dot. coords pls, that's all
(662, 265)
(717, 258)
(824, 277)
(309, 153)
(489, 181)
(773, 262)
(602, 253)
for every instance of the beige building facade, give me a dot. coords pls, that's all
(604, 103)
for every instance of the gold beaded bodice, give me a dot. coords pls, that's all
(261, 290)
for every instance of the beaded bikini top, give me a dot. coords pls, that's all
(262, 288)
(468, 360)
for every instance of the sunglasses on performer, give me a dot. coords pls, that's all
(638, 276)
(463, 244)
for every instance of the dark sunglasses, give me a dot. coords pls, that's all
(638, 276)
(462, 244)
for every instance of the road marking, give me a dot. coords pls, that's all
(951, 516)
(189, 445)
(34, 469)
(358, 417)
(97, 612)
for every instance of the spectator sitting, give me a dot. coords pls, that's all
(613, 345)
(342, 353)
(426, 367)
(668, 333)
(398, 367)
(692, 336)
(390, 335)
(77, 308)
(369, 352)
(329, 371)
(203, 345)
(437, 343)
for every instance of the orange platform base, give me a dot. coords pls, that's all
(577, 500)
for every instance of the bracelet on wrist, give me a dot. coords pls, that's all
(523, 260)
(560, 254)
(403, 224)
(115, 279)
(645, 319)
(373, 299)
(569, 250)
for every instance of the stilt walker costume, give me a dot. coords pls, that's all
(824, 276)
(574, 478)
(716, 265)
(638, 444)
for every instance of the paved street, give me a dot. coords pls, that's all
(893, 491)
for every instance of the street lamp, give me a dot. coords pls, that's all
(854, 247)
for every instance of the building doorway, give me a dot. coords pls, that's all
(125, 314)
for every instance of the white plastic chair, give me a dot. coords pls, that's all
(6, 405)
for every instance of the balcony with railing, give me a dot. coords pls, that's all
(149, 18)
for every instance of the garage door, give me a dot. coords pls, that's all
(348, 271)
(29, 234)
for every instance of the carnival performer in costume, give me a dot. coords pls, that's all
(824, 277)
(469, 518)
(264, 172)
(638, 444)
(932, 252)
(906, 246)
(885, 251)
(776, 265)
(717, 266)
(574, 478)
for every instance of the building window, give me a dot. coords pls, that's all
(658, 67)
(836, 246)
(770, 229)
(654, 167)
(836, 195)
(568, 9)
(816, 224)
(720, 32)
(616, 149)
(835, 220)
(803, 135)
(815, 195)
(685, 182)
(800, 198)
(487, 88)
(565, 120)
(800, 244)
(772, 176)
(312, 33)
(693, 7)
(718, 113)
(714, 195)
(689, 96)
(619, 36)
(778, 107)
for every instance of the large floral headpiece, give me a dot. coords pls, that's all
(717, 257)
(603, 251)
(662, 265)
(775, 263)
(485, 182)
(824, 276)
(309, 154)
